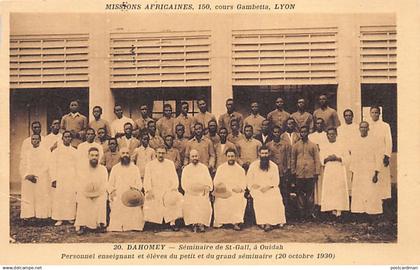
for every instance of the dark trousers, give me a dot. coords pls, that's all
(305, 196)
(285, 194)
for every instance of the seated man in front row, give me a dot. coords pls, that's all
(163, 202)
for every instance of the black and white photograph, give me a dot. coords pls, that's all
(203, 128)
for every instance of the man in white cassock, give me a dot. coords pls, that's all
(333, 156)
(197, 183)
(35, 193)
(91, 194)
(263, 183)
(366, 162)
(346, 133)
(160, 178)
(124, 176)
(381, 131)
(231, 209)
(63, 163)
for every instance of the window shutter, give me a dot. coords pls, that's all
(378, 54)
(49, 61)
(284, 56)
(171, 59)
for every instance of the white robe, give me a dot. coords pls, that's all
(63, 170)
(196, 207)
(335, 194)
(268, 206)
(365, 159)
(345, 134)
(160, 177)
(381, 131)
(124, 218)
(319, 139)
(51, 139)
(91, 211)
(35, 196)
(230, 210)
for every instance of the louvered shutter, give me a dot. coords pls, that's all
(173, 59)
(284, 56)
(378, 54)
(49, 61)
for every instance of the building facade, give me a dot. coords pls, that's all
(132, 59)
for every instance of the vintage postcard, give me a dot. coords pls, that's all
(209, 132)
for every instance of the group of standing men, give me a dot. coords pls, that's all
(119, 175)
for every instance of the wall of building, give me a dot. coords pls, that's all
(99, 27)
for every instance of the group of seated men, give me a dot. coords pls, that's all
(119, 176)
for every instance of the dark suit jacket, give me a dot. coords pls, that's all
(269, 138)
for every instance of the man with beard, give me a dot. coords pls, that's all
(82, 150)
(186, 120)
(128, 139)
(102, 139)
(222, 146)
(141, 123)
(346, 134)
(117, 126)
(124, 176)
(381, 131)
(212, 135)
(160, 179)
(226, 118)
(263, 183)
(74, 122)
(204, 147)
(197, 183)
(230, 177)
(265, 135)
(302, 117)
(279, 116)
(143, 154)
(290, 136)
(203, 116)
(155, 141)
(328, 114)
(366, 162)
(248, 148)
(35, 193)
(52, 140)
(98, 122)
(91, 194)
(305, 167)
(254, 119)
(280, 152)
(63, 174)
(165, 125)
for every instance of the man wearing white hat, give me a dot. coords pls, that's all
(125, 176)
(229, 188)
(163, 202)
(91, 194)
(197, 183)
